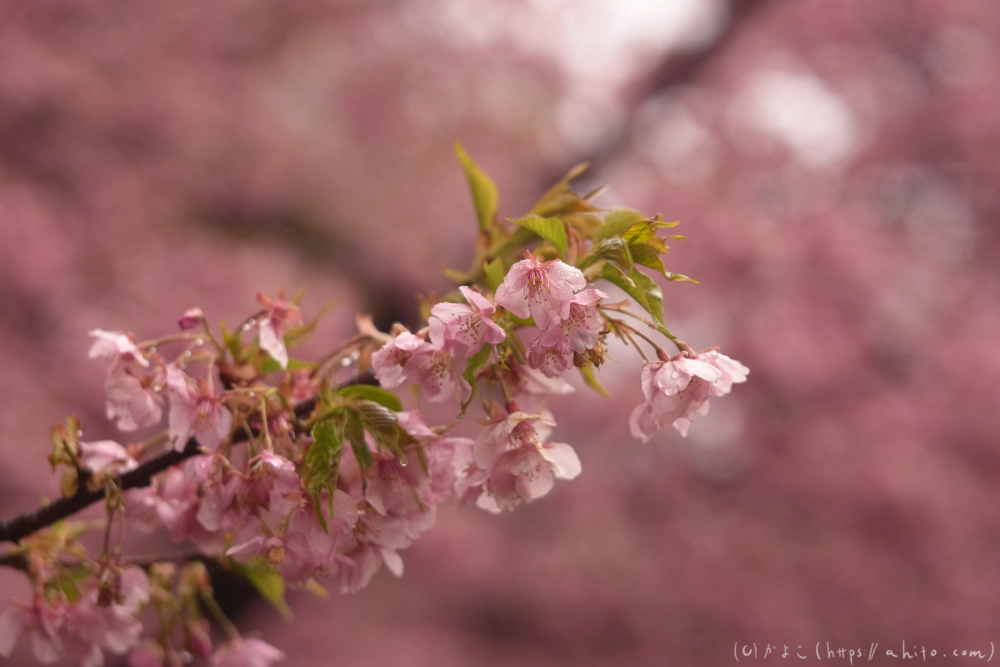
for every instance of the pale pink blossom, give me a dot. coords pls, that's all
(676, 391)
(731, 371)
(528, 473)
(519, 466)
(278, 317)
(391, 360)
(438, 371)
(356, 567)
(40, 623)
(551, 353)
(542, 290)
(300, 547)
(131, 404)
(584, 324)
(196, 413)
(246, 652)
(469, 326)
(147, 654)
(118, 349)
(271, 484)
(174, 503)
(113, 627)
(106, 455)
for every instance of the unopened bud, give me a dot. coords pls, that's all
(191, 319)
(196, 637)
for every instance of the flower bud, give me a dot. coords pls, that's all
(190, 319)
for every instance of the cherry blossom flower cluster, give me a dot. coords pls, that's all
(314, 474)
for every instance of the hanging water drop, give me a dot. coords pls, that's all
(403, 462)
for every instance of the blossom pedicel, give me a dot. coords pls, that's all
(298, 472)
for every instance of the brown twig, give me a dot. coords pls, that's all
(16, 529)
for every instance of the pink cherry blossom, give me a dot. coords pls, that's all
(131, 404)
(731, 371)
(114, 627)
(676, 391)
(391, 360)
(42, 625)
(518, 465)
(299, 546)
(271, 484)
(584, 324)
(528, 473)
(116, 348)
(469, 326)
(278, 317)
(147, 654)
(542, 290)
(196, 413)
(175, 504)
(551, 353)
(356, 567)
(244, 652)
(438, 371)
(106, 455)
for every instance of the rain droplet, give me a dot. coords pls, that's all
(346, 361)
(152, 349)
(250, 394)
(187, 353)
(403, 462)
(79, 433)
(199, 341)
(157, 387)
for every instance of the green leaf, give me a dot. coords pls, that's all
(373, 393)
(615, 252)
(494, 272)
(268, 583)
(70, 582)
(381, 423)
(587, 372)
(677, 277)
(476, 362)
(560, 198)
(647, 255)
(644, 290)
(354, 431)
(484, 190)
(550, 229)
(615, 222)
(323, 464)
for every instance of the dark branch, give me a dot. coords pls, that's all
(16, 529)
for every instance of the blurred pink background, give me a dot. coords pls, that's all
(835, 166)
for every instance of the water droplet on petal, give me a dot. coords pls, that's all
(250, 394)
(199, 342)
(79, 433)
(187, 353)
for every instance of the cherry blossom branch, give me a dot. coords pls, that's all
(14, 530)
